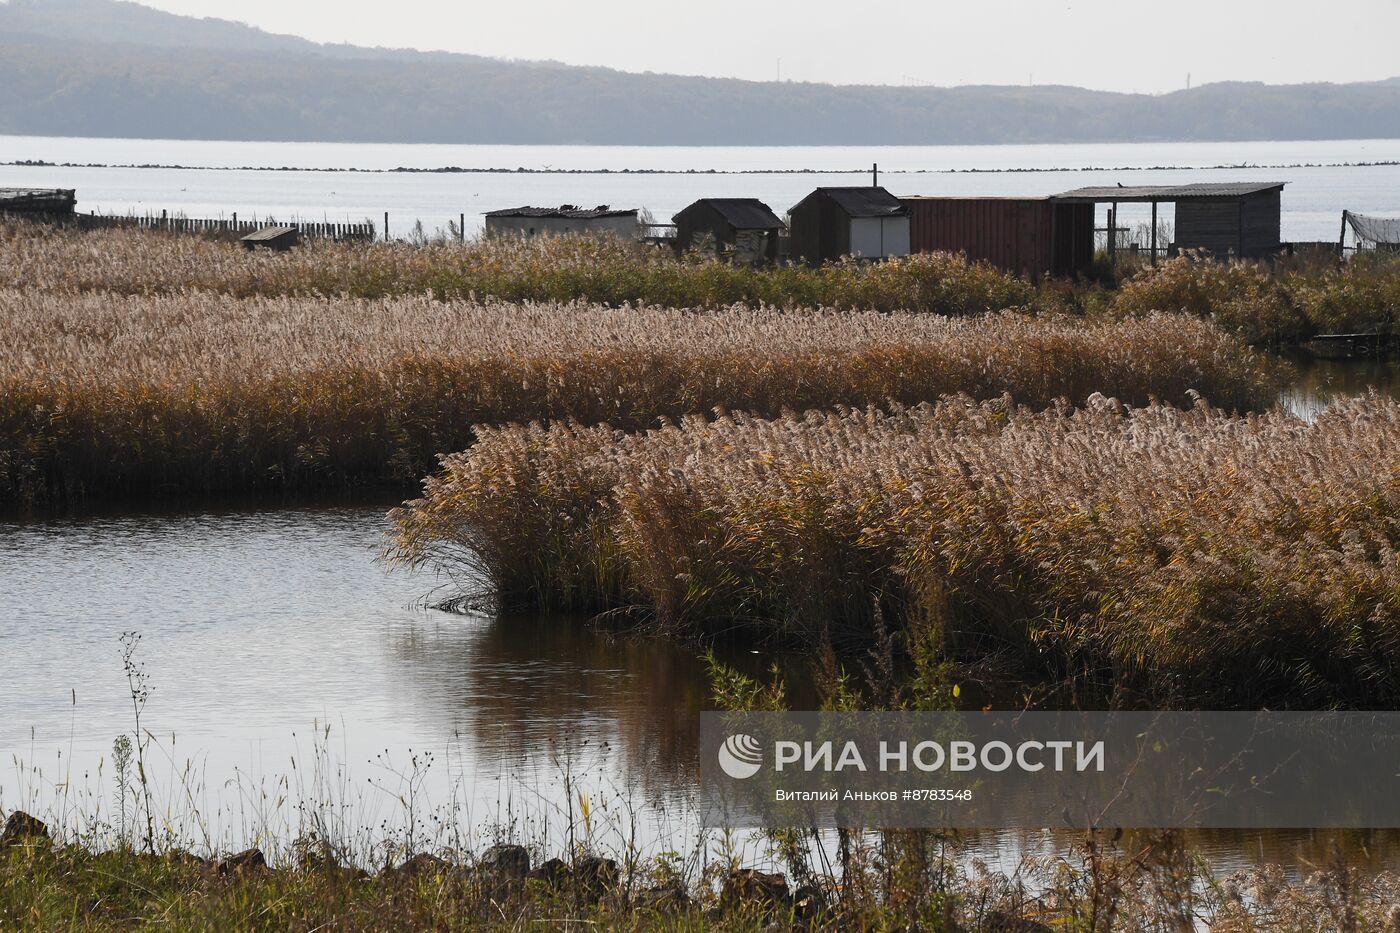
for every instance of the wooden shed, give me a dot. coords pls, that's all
(1023, 236)
(274, 238)
(1220, 219)
(869, 223)
(556, 221)
(39, 203)
(744, 229)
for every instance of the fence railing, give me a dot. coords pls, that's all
(232, 226)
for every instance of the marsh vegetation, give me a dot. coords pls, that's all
(1172, 554)
(105, 396)
(914, 471)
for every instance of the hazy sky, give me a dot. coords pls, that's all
(1113, 44)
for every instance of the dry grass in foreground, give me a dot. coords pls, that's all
(1183, 554)
(103, 395)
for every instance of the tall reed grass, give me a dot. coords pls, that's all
(1271, 307)
(194, 392)
(1180, 554)
(1276, 306)
(547, 269)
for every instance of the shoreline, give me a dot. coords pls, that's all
(521, 170)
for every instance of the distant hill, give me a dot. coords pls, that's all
(110, 68)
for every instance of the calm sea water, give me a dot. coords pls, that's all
(1318, 187)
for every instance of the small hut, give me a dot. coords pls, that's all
(744, 229)
(39, 203)
(279, 239)
(569, 218)
(868, 223)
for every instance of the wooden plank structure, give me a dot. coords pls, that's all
(1024, 236)
(1220, 219)
(280, 239)
(38, 203)
(742, 229)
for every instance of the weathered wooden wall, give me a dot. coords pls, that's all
(820, 230)
(699, 220)
(1248, 228)
(38, 203)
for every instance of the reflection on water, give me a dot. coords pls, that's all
(1320, 381)
(257, 625)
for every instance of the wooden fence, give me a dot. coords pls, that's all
(228, 227)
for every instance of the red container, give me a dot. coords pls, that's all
(1025, 236)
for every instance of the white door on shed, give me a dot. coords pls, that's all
(879, 237)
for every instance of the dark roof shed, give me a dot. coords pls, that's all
(860, 202)
(745, 213)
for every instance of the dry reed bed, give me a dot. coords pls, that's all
(1187, 554)
(103, 394)
(546, 269)
(1276, 307)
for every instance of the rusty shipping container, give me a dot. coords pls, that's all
(1025, 236)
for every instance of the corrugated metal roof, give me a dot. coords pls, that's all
(563, 212)
(1229, 189)
(862, 202)
(745, 213)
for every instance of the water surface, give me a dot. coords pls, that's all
(258, 627)
(1323, 179)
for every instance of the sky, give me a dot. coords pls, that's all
(1148, 47)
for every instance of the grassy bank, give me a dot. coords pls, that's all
(1275, 307)
(889, 881)
(1179, 555)
(104, 395)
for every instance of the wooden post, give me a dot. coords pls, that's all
(462, 227)
(1342, 240)
(1113, 233)
(386, 226)
(1154, 233)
